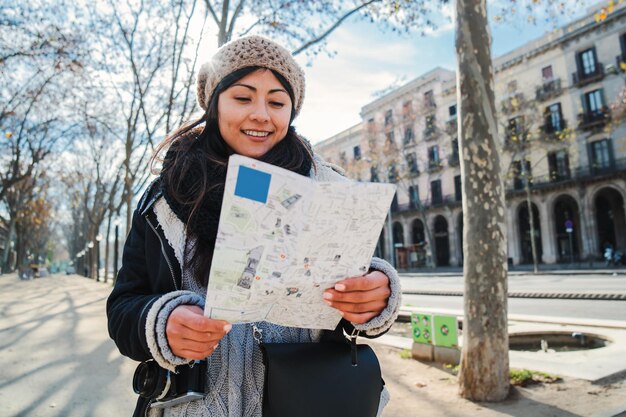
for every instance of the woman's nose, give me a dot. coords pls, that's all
(260, 113)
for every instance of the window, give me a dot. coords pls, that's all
(374, 174)
(343, 159)
(546, 73)
(411, 161)
(515, 129)
(593, 102)
(435, 192)
(356, 151)
(521, 174)
(454, 155)
(413, 196)
(388, 117)
(391, 138)
(392, 173)
(559, 165)
(458, 188)
(406, 110)
(622, 44)
(433, 156)
(601, 154)
(431, 125)
(429, 99)
(554, 118)
(511, 87)
(408, 135)
(587, 61)
(452, 111)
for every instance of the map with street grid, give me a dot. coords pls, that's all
(284, 238)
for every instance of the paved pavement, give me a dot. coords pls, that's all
(604, 284)
(57, 360)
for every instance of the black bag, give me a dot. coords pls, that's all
(326, 379)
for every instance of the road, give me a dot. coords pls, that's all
(543, 283)
(587, 309)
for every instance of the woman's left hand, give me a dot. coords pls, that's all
(360, 299)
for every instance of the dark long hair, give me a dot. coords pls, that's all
(197, 148)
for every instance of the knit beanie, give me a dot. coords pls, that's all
(250, 51)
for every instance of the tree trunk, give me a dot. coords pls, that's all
(106, 247)
(484, 373)
(6, 268)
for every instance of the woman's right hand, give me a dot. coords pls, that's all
(191, 335)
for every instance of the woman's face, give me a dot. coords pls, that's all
(254, 113)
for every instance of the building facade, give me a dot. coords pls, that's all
(560, 103)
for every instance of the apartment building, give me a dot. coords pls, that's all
(560, 102)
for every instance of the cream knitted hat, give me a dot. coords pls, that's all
(250, 51)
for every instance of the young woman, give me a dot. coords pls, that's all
(251, 91)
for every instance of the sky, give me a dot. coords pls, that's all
(367, 60)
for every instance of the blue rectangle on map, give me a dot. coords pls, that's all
(252, 184)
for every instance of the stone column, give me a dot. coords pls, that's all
(452, 238)
(546, 225)
(588, 225)
(513, 234)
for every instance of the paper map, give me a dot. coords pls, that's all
(284, 238)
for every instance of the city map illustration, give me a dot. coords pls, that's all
(284, 238)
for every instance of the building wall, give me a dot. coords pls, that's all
(590, 198)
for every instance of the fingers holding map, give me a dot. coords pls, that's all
(284, 238)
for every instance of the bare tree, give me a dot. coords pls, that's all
(484, 374)
(291, 20)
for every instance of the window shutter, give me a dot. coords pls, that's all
(583, 101)
(548, 120)
(609, 145)
(591, 156)
(622, 42)
(579, 63)
(602, 98)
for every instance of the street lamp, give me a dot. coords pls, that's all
(89, 259)
(116, 223)
(98, 239)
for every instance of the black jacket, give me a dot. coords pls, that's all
(149, 270)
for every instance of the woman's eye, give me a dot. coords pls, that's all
(277, 104)
(242, 99)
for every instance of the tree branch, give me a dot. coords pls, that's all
(332, 28)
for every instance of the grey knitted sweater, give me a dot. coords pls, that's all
(235, 372)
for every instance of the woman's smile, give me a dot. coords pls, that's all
(254, 113)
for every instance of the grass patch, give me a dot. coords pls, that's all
(406, 354)
(453, 369)
(524, 377)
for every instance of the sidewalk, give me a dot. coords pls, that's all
(57, 360)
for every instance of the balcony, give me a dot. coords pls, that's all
(558, 176)
(453, 160)
(554, 132)
(581, 174)
(512, 103)
(426, 204)
(431, 133)
(580, 79)
(513, 139)
(548, 90)
(451, 127)
(434, 166)
(594, 120)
